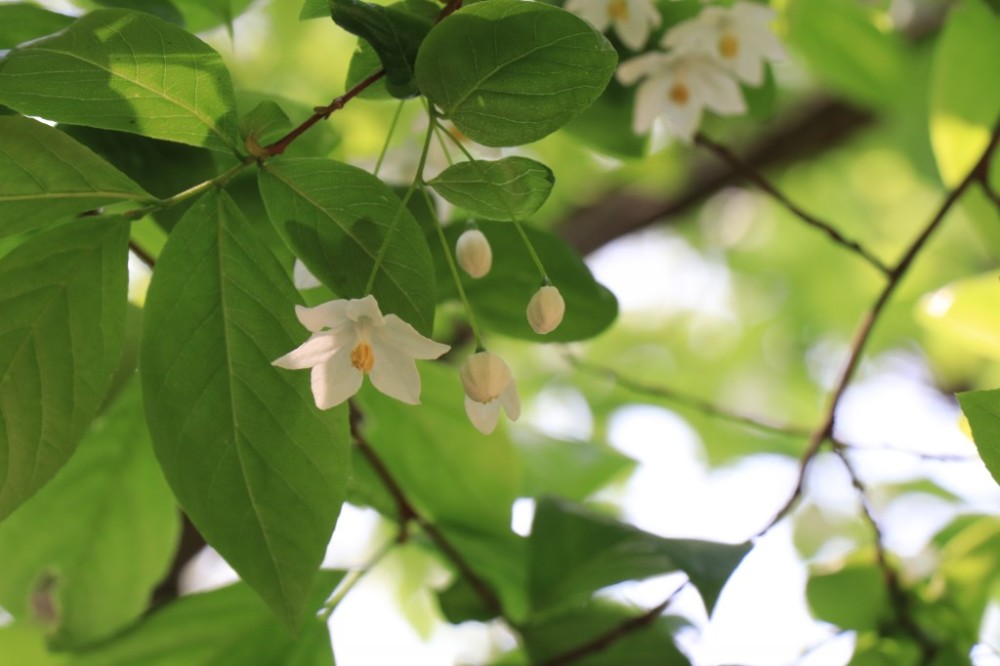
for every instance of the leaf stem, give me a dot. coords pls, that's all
(388, 137)
(352, 578)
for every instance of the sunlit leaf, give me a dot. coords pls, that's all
(982, 408)
(21, 21)
(259, 470)
(137, 73)
(965, 314)
(511, 188)
(852, 597)
(111, 524)
(509, 72)
(45, 176)
(63, 296)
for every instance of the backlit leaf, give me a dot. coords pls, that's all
(982, 408)
(511, 188)
(21, 21)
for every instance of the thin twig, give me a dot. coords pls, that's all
(897, 595)
(352, 578)
(615, 634)
(886, 448)
(140, 252)
(687, 400)
(767, 186)
(407, 513)
(824, 430)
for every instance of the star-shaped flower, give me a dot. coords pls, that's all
(488, 384)
(679, 86)
(633, 20)
(739, 38)
(351, 338)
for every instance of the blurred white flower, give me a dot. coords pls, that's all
(546, 309)
(633, 20)
(351, 338)
(739, 38)
(473, 252)
(488, 385)
(303, 277)
(679, 86)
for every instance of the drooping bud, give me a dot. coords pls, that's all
(474, 253)
(546, 309)
(489, 385)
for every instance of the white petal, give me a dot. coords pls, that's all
(484, 376)
(484, 417)
(719, 92)
(336, 380)
(395, 374)
(594, 12)
(634, 30)
(687, 34)
(684, 118)
(302, 277)
(511, 401)
(634, 69)
(752, 13)
(404, 337)
(315, 350)
(326, 315)
(364, 307)
(650, 101)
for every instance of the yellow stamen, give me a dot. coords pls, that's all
(618, 10)
(679, 93)
(729, 45)
(363, 357)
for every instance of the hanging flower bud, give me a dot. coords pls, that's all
(474, 253)
(488, 385)
(546, 309)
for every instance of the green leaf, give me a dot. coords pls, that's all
(63, 296)
(163, 9)
(500, 299)
(22, 643)
(474, 478)
(575, 552)
(22, 21)
(963, 110)
(365, 63)
(853, 597)
(394, 33)
(200, 15)
(137, 74)
(964, 315)
(337, 218)
(314, 9)
(45, 176)
(265, 123)
(111, 526)
(512, 188)
(982, 408)
(846, 50)
(259, 470)
(226, 627)
(509, 72)
(573, 470)
(606, 125)
(651, 644)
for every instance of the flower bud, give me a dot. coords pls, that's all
(546, 309)
(489, 385)
(474, 253)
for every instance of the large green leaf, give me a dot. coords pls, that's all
(964, 315)
(963, 109)
(137, 73)
(393, 32)
(45, 176)
(500, 299)
(63, 296)
(842, 45)
(226, 627)
(508, 72)
(562, 634)
(852, 597)
(337, 218)
(982, 408)
(259, 470)
(21, 21)
(110, 526)
(574, 552)
(512, 188)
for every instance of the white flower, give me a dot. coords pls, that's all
(473, 252)
(633, 19)
(679, 86)
(546, 309)
(303, 277)
(738, 38)
(488, 385)
(351, 338)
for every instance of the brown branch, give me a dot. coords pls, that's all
(897, 595)
(615, 634)
(754, 176)
(407, 513)
(687, 400)
(824, 430)
(140, 252)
